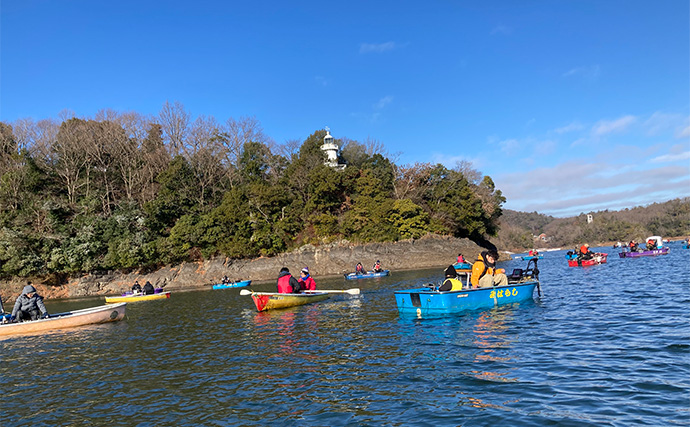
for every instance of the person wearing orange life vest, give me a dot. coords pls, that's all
(585, 253)
(286, 283)
(306, 282)
(484, 271)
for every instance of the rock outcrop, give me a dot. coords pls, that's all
(326, 260)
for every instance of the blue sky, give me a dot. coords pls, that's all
(570, 106)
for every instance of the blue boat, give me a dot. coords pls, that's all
(240, 284)
(462, 266)
(529, 257)
(355, 276)
(429, 302)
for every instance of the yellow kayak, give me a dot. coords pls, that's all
(271, 301)
(137, 297)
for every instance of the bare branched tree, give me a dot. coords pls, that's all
(411, 181)
(71, 157)
(174, 121)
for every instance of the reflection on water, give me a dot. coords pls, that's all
(606, 345)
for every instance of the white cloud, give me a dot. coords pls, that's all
(667, 158)
(590, 72)
(575, 186)
(683, 132)
(376, 47)
(572, 127)
(660, 122)
(604, 127)
(383, 102)
(510, 146)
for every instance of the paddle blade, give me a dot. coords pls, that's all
(245, 292)
(353, 291)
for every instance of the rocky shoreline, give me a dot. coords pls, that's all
(327, 260)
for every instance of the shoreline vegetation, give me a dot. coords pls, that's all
(150, 196)
(327, 261)
(127, 192)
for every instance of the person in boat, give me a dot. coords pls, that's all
(148, 288)
(651, 245)
(225, 280)
(377, 267)
(585, 253)
(286, 283)
(29, 306)
(634, 246)
(452, 283)
(484, 271)
(306, 282)
(136, 287)
(461, 259)
(359, 269)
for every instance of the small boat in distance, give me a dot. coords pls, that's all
(529, 257)
(69, 319)
(238, 284)
(355, 276)
(129, 297)
(272, 300)
(598, 258)
(462, 267)
(653, 252)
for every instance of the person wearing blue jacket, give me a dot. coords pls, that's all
(29, 306)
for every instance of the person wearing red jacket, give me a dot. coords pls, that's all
(306, 282)
(286, 283)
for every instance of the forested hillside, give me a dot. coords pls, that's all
(669, 219)
(123, 191)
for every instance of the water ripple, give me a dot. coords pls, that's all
(604, 346)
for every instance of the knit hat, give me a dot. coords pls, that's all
(450, 271)
(305, 270)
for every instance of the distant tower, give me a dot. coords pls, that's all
(589, 219)
(331, 149)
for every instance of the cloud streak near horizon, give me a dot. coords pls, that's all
(613, 164)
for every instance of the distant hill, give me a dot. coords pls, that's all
(520, 230)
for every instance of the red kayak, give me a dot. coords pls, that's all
(598, 258)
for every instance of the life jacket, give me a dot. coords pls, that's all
(284, 286)
(461, 259)
(584, 249)
(479, 269)
(307, 283)
(451, 284)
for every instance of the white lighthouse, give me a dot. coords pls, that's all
(331, 149)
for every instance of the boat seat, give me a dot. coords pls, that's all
(515, 276)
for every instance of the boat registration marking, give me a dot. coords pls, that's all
(462, 296)
(503, 293)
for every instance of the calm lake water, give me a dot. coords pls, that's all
(604, 346)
